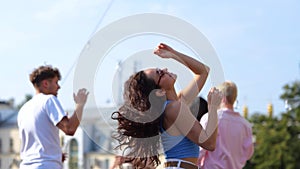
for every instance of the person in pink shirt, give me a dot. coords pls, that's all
(234, 141)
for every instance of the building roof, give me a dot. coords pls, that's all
(8, 117)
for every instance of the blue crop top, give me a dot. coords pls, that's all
(177, 146)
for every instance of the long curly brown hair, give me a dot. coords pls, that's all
(139, 121)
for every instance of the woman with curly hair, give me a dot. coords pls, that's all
(153, 114)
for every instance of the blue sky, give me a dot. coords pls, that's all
(257, 42)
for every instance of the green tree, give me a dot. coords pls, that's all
(292, 121)
(277, 142)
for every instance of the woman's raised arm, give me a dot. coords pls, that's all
(190, 92)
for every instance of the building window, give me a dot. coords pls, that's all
(73, 154)
(11, 145)
(106, 163)
(62, 141)
(0, 145)
(98, 163)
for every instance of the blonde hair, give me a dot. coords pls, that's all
(229, 91)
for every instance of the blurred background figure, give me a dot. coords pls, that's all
(234, 141)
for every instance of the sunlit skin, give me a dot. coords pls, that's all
(53, 86)
(166, 79)
(177, 112)
(49, 86)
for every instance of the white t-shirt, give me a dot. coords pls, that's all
(40, 144)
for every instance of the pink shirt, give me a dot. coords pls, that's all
(234, 142)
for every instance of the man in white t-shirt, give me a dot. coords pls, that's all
(40, 119)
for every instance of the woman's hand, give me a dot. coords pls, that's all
(164, 51)
(214, 98)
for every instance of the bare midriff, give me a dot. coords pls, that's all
(193, 160)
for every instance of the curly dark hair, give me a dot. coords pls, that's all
(43, 72)
(139, 120)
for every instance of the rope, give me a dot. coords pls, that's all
(91, 35)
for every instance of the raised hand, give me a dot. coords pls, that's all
(164, 51)
(81, 96)
(214, 97)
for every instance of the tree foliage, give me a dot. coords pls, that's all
(277, 139)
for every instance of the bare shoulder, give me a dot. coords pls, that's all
(172, 110)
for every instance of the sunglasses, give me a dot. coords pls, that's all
(160, 73)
